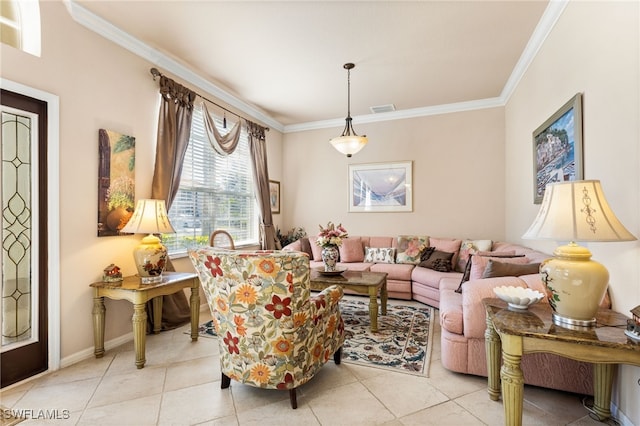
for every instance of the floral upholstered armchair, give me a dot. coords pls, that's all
(272, 333)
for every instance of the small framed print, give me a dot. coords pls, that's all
(274, 196)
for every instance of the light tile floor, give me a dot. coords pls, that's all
(180, 385)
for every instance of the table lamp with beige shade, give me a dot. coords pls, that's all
(575, 211)
(150, 217)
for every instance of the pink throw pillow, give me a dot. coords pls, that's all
(315, 249)
(351, 250)
(479, 264)
(448, 245)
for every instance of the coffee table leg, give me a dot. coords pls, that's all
(383, 297)
(373, 307)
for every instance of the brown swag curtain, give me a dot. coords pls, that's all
(258, 149)
(174, 127)
(223, 145)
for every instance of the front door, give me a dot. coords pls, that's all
(23, 196)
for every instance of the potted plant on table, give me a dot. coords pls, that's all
(330, 238)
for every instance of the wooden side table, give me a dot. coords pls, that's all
(516, 333)
(138, 294)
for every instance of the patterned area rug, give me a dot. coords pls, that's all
(402, 342)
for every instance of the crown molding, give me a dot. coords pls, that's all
(543, 29)
(166, 63)
(398, 115)
(111, 32)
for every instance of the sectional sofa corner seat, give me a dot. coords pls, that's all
(462, 314)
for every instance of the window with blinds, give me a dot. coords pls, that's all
(215, 193)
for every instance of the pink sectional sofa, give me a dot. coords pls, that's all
(404, 281)
(462, 314)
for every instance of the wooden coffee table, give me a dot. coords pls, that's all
(371, 283)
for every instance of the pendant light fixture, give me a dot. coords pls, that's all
(349, 142)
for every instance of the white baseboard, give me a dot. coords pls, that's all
(88, 352)
(622, 419)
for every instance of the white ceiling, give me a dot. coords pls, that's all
(286, 58)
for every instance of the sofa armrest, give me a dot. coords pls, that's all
(473, 312)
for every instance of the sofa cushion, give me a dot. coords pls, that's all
(469, 247)
(351, 250)
(380, 254)
(503, 269)
(430, 277)
(410, 248)
(395, 271)
(438, 261)
(382, 242)
(447, 244)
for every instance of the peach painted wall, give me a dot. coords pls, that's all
(100, 85)
(458, 176)
(594, 49)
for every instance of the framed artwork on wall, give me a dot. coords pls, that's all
(274, 196)
(116, 181)
(557, 148)
(381, 187)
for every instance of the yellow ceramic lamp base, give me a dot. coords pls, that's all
(576, 285)
(151, 258)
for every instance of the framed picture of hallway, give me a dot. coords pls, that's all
(381, 187)
(557, 148)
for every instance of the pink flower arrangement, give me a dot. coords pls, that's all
(331, 235)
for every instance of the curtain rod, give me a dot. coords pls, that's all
(155, 73)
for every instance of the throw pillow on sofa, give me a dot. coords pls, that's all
(438, 261)
(410, 248)
(469, 247)
(501, 269)
(380, 254)
(479, 264)
(351, 250)
(448, 245)
(315, 248)
(494, 254)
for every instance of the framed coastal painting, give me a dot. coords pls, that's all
(274, 196)
(557, 148)
(381, 187)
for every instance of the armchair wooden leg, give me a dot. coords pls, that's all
(337, 356)
(292, 398)
(225, 382)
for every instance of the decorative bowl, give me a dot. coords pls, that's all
(519, 298)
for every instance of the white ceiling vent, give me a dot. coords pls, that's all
(382, 108)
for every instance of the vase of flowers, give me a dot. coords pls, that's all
(330, 238)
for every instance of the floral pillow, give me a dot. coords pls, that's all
(469, 247)
(380, 254)
(410, 248)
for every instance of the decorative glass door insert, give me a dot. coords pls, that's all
(19, 186)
